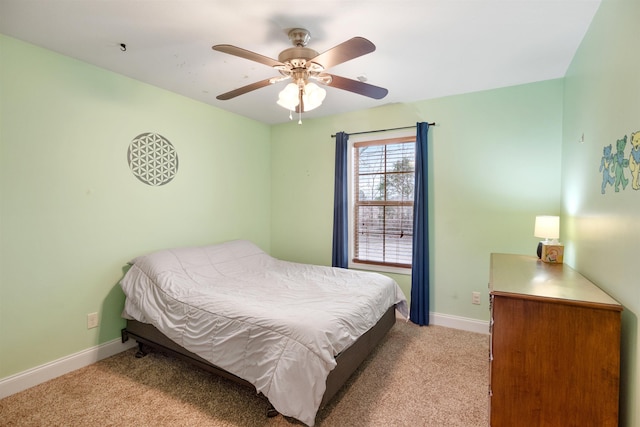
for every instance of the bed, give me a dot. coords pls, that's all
(295, 332)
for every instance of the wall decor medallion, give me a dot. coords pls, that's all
(152, 159)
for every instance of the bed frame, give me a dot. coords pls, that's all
(347, 362)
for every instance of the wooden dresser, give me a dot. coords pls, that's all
(555, 346)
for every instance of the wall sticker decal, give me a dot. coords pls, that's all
(619, 164)
(613, 166)
(634, 160)
(152, 159)
(605, 165)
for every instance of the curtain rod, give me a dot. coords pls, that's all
(382, 130)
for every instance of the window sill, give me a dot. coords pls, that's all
(380, 268)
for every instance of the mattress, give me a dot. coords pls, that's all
(276, 324)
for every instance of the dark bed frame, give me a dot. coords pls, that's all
(347, 362)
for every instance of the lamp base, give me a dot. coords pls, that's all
(539, 250)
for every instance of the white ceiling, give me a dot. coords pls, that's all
(425, 48)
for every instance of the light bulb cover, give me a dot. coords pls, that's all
(313, 96)
(289, 97)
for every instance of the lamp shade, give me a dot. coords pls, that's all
(547, 227)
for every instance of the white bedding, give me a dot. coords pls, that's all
(276, 324)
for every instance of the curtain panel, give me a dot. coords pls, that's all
(340, 249)
(419, 309)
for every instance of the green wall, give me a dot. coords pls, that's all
(602, 231)
(495, 165)
(72, 213)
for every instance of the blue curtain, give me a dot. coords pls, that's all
(419, 310)
(340, 251)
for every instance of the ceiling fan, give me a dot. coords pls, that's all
(302, 64)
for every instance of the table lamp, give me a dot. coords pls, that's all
(548, 228)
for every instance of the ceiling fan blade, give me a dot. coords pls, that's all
(358, 87)
(344, 52)
(246, 54)
(244, 89)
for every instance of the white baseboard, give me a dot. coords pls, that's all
(456, 322)
(32, 377)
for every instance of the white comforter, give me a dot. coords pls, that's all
(276, 324)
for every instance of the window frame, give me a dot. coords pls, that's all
(396, 137)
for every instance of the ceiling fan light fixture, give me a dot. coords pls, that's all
(311, 95)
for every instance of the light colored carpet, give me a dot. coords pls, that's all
(418, 376)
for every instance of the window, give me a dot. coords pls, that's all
(383, 183)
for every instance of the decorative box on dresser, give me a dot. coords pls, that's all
(555, 346)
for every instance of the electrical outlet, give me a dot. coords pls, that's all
(92, 320)
(475, 298)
